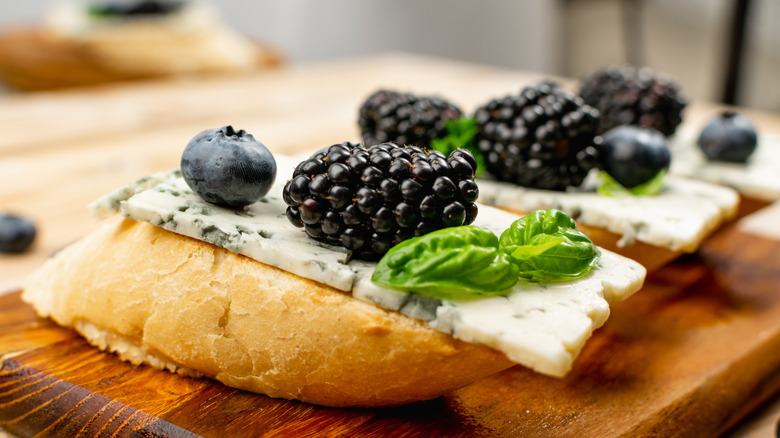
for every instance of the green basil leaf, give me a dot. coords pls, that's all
(452, 263)
(547, 247)
(611, 188)
(460, 135)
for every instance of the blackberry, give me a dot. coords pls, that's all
(403, 118)
(626, 95)
(368, 199)
(541, 138)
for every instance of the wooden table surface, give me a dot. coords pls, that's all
(60, 150)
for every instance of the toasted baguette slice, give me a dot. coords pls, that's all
(173, 302)
(31, 59)
(652, 230)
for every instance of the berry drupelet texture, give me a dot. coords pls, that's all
(541, 138)
(368, 199)
(626, 95)
(403, 118)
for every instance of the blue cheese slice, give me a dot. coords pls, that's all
(758, 178)
(678, 218)
(542, 327)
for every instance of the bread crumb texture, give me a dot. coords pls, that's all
(175, 303)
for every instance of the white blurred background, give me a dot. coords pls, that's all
(687, 39)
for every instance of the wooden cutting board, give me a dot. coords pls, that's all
(689, 355)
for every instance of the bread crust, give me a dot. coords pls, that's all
(156, 297)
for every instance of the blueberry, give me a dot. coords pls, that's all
(728, 137)
(633, 155)
(16, 234)
(228, 167)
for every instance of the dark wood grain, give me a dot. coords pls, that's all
(692, 353)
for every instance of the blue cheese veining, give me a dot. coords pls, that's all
(759, 178)
(678, 218)
(540, 326)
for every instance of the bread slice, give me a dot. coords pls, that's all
(32, 59)
(176, 303)
(652, 230)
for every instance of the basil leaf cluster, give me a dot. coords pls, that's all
(451, 263)
(547, 247)
(469, 262)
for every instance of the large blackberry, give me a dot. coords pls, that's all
(368, 199)
(403, 118)
(626, 95)
(541, 138)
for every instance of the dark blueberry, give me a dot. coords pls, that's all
(16, 234)
(228, 167)
(633, 155)
(728, 137)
